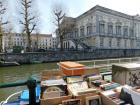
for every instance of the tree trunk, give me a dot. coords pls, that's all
(28, 42)
(61, 43)
(0, 42)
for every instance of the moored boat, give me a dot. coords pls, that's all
(5, 64)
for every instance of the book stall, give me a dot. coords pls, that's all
(83, 87)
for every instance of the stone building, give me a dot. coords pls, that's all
(39, 41)
(103, 28)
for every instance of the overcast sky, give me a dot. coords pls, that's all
(74, 8)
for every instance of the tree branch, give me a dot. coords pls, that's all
(32, 18)
(2, 11)
(34, 25)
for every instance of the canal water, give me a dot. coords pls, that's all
(21, 73)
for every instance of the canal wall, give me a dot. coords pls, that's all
(53, 56)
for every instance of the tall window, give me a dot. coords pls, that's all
(132, 43)
(101, 41)
(15, 43)
(101, 28)
(131, 32)
(118, 30)
(125, 43)
(89, 29)
(138, 43)
(76, 32)
(125, 31)
(110, 42)
(118, 42)
(82, 32)
(110, 28)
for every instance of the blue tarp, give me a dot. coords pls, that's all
(25, 94)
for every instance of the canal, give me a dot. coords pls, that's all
(21, 73)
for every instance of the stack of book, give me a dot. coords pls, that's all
(80, 88)
(109, 86)
(73, 79)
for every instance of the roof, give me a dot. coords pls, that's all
(108, 11)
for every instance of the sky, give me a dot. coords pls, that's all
(73, 8)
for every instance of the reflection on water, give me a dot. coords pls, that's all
(21, 73)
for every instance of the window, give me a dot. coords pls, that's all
(118, 42)
(118, 30)
(110, 42)
(101, 28)
(132, 43)
(131, 32)
(82, 33)
(138, 43)
(125, 31)
(71, 34)
(76, 33)
(89, 29)
(101, 41)
(110, 29)
(125, 43)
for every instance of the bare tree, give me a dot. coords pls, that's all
(28, 20)
(59, 15)
(9, 32)
(63, 23)
(2, 12)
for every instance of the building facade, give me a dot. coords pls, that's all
(104, 28)
(39, 41)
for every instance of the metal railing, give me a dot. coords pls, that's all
(107, 63)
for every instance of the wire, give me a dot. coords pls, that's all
(3, 102)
